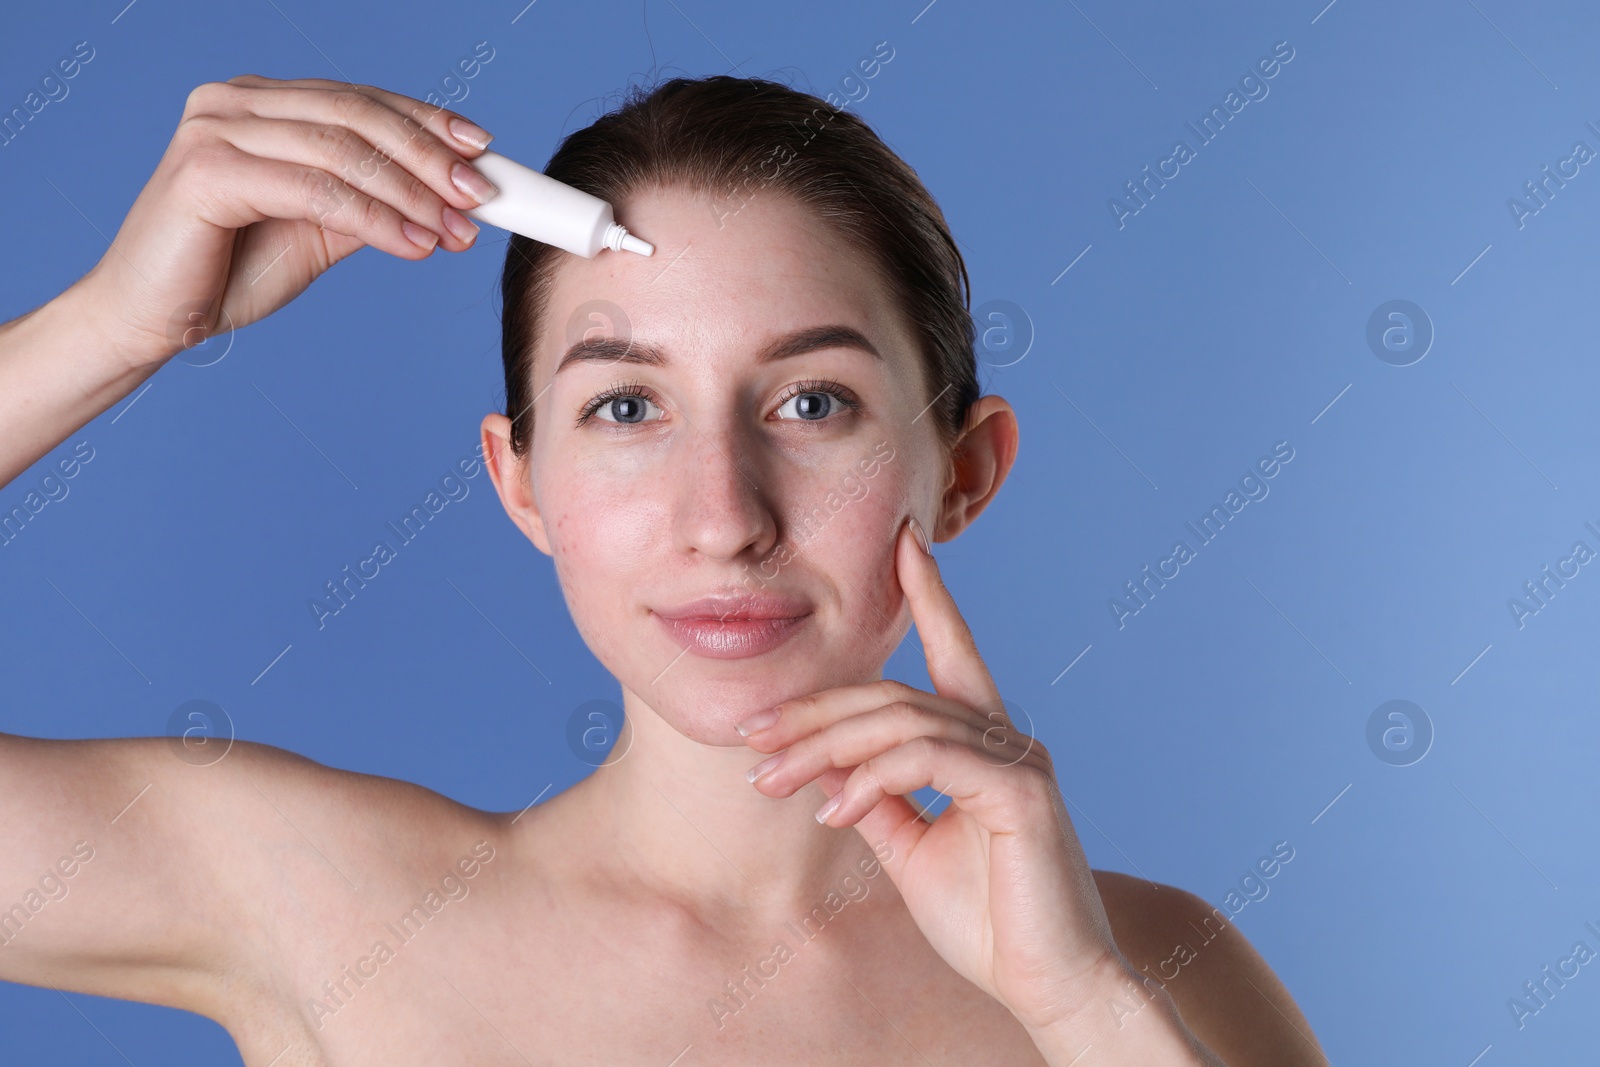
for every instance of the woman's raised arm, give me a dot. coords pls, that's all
(128, 872)
(124, 870)
(265, 185)
(152, 870)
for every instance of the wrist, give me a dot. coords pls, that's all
(84, 319)
(1126, 1018)
(58, 370)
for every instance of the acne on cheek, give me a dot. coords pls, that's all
(579, 552)
(859, 544)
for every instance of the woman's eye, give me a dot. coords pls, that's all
(811, 405)
(627, 410)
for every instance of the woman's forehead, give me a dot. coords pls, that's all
(715, 281)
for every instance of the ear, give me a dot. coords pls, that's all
(980, 462)
(512, 479)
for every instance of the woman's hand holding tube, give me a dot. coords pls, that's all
(268, 183)
(998, 882)
(264, 186)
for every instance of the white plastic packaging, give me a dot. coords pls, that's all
(537, 206)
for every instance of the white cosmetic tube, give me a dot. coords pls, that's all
(537, 206)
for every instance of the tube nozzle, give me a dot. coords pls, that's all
(618, 238)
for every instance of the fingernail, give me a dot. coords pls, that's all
(922, 538)
(759, 721)
(764, 766)
(467, 133)
(418, 236)
(457, 223)
(830, 807)
(472, 183)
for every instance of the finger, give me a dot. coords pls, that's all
(451, 127)
(1002, 799)
(423, 146)
(345, 154)
(856, 740)
(954, 665)
(260, 189)
(805, 715)
(895, 821)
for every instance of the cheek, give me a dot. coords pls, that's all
(593, 530)
(856, 547)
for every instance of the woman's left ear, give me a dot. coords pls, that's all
(511, 481)
(980, 461)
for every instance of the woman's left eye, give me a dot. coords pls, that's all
(816, 401)
(627, 409)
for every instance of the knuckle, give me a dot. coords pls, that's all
(194, 132)
(200, 164)
(413, 128)
(350, 105)
(798, 707)
(1016, 749)
(906, 714)
(423, 113)
(310, 190)
(319, 191)
(204, 97)
(1037, 782)
(994, 743)
(417, 197)
(891, 690)
(199, 157)
(338, 149)
(370, 215)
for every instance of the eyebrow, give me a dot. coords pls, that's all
(798, 342)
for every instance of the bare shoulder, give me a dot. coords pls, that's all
(1225, 991)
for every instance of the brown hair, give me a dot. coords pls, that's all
(738, 137)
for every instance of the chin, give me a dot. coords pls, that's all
(708, 696)
(705, 709)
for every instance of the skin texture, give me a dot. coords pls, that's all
(622, 919)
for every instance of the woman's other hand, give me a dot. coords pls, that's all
(998, 882)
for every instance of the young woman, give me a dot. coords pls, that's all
(736, 470)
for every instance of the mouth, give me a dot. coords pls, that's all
(731, 638)
(734, 627)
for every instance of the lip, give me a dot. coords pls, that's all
(734, 626)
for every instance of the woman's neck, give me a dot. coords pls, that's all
(681, 818)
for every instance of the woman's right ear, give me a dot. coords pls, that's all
(511, 479)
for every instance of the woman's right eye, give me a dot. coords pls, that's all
(626, 408)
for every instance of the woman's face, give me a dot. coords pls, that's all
(752, 449)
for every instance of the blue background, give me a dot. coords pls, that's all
(1178, 349)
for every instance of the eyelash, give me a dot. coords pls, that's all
(815, 385)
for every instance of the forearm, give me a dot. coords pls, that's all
(58, 370)
(1123, 1021)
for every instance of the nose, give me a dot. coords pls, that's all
(722, 508)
